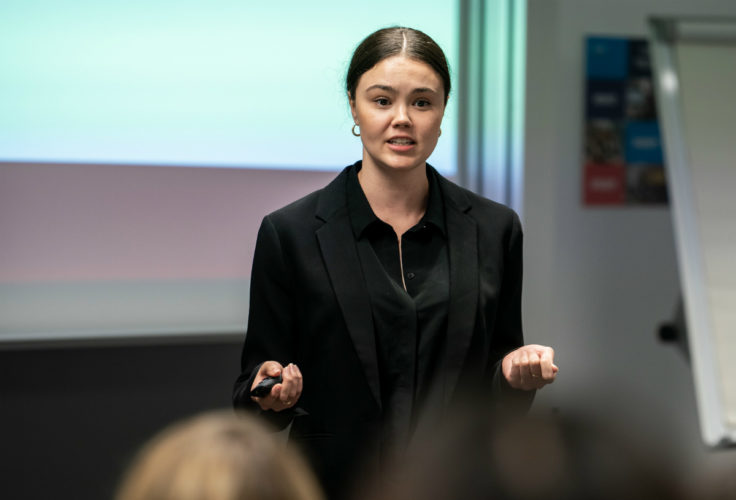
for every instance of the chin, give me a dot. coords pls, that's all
(397, 163)
(405, 167)
(404, 164)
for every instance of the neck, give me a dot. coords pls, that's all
(398, 198)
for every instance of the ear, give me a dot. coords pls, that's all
(353, 111)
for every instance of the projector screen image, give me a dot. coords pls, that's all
(245, 99)
(222, 83)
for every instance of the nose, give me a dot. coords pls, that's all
(401, 117)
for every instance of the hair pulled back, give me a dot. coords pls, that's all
(397, 40)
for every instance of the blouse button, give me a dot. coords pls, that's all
(410, 275)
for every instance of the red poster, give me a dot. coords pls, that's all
(604, 184)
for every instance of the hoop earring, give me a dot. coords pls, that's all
(353, 130)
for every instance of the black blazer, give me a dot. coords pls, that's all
(309, 305)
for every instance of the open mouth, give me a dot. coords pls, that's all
(401, 141)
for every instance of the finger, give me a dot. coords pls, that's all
(269, 369)
(270, 402)
(283, 395)
(274, 369)
(541, 349)
(514, 378)
(295, 381)
(289, 386)
(516, 369)
(265, 371)
(525, 375)
(547, 366)
(300, 381)
(535, 367)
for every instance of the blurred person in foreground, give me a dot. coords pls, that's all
(219, 455)
(483, 455)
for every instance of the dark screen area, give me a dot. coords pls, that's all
(71, 419)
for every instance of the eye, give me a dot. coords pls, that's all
(422, 103)
(381, 101)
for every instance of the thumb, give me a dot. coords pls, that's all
(272, 369)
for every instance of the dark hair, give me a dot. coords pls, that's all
(388, 42)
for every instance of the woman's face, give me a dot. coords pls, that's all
(398, 104)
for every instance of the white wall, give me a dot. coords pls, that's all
(598, 281)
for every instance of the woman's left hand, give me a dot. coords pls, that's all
(530, 367)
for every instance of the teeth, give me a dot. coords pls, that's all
(401, 141)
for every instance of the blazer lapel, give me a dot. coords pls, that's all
(462, 235)
(341, 259)
(340, 254)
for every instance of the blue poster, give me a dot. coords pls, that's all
(642, 143)
(623, 159)
(607, 58)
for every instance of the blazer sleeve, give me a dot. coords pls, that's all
(270, 333)
(508, 325)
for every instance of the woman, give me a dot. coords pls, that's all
(378, 298)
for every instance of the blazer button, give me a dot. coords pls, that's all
(410, 275)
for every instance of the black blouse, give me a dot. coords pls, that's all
(410, 323)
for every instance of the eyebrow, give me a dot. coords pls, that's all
(389, 88)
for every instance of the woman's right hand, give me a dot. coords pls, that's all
(283, 395)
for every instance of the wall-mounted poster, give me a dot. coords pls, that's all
(623, 150)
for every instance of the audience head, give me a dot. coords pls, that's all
(218, 455)
(479, 456)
